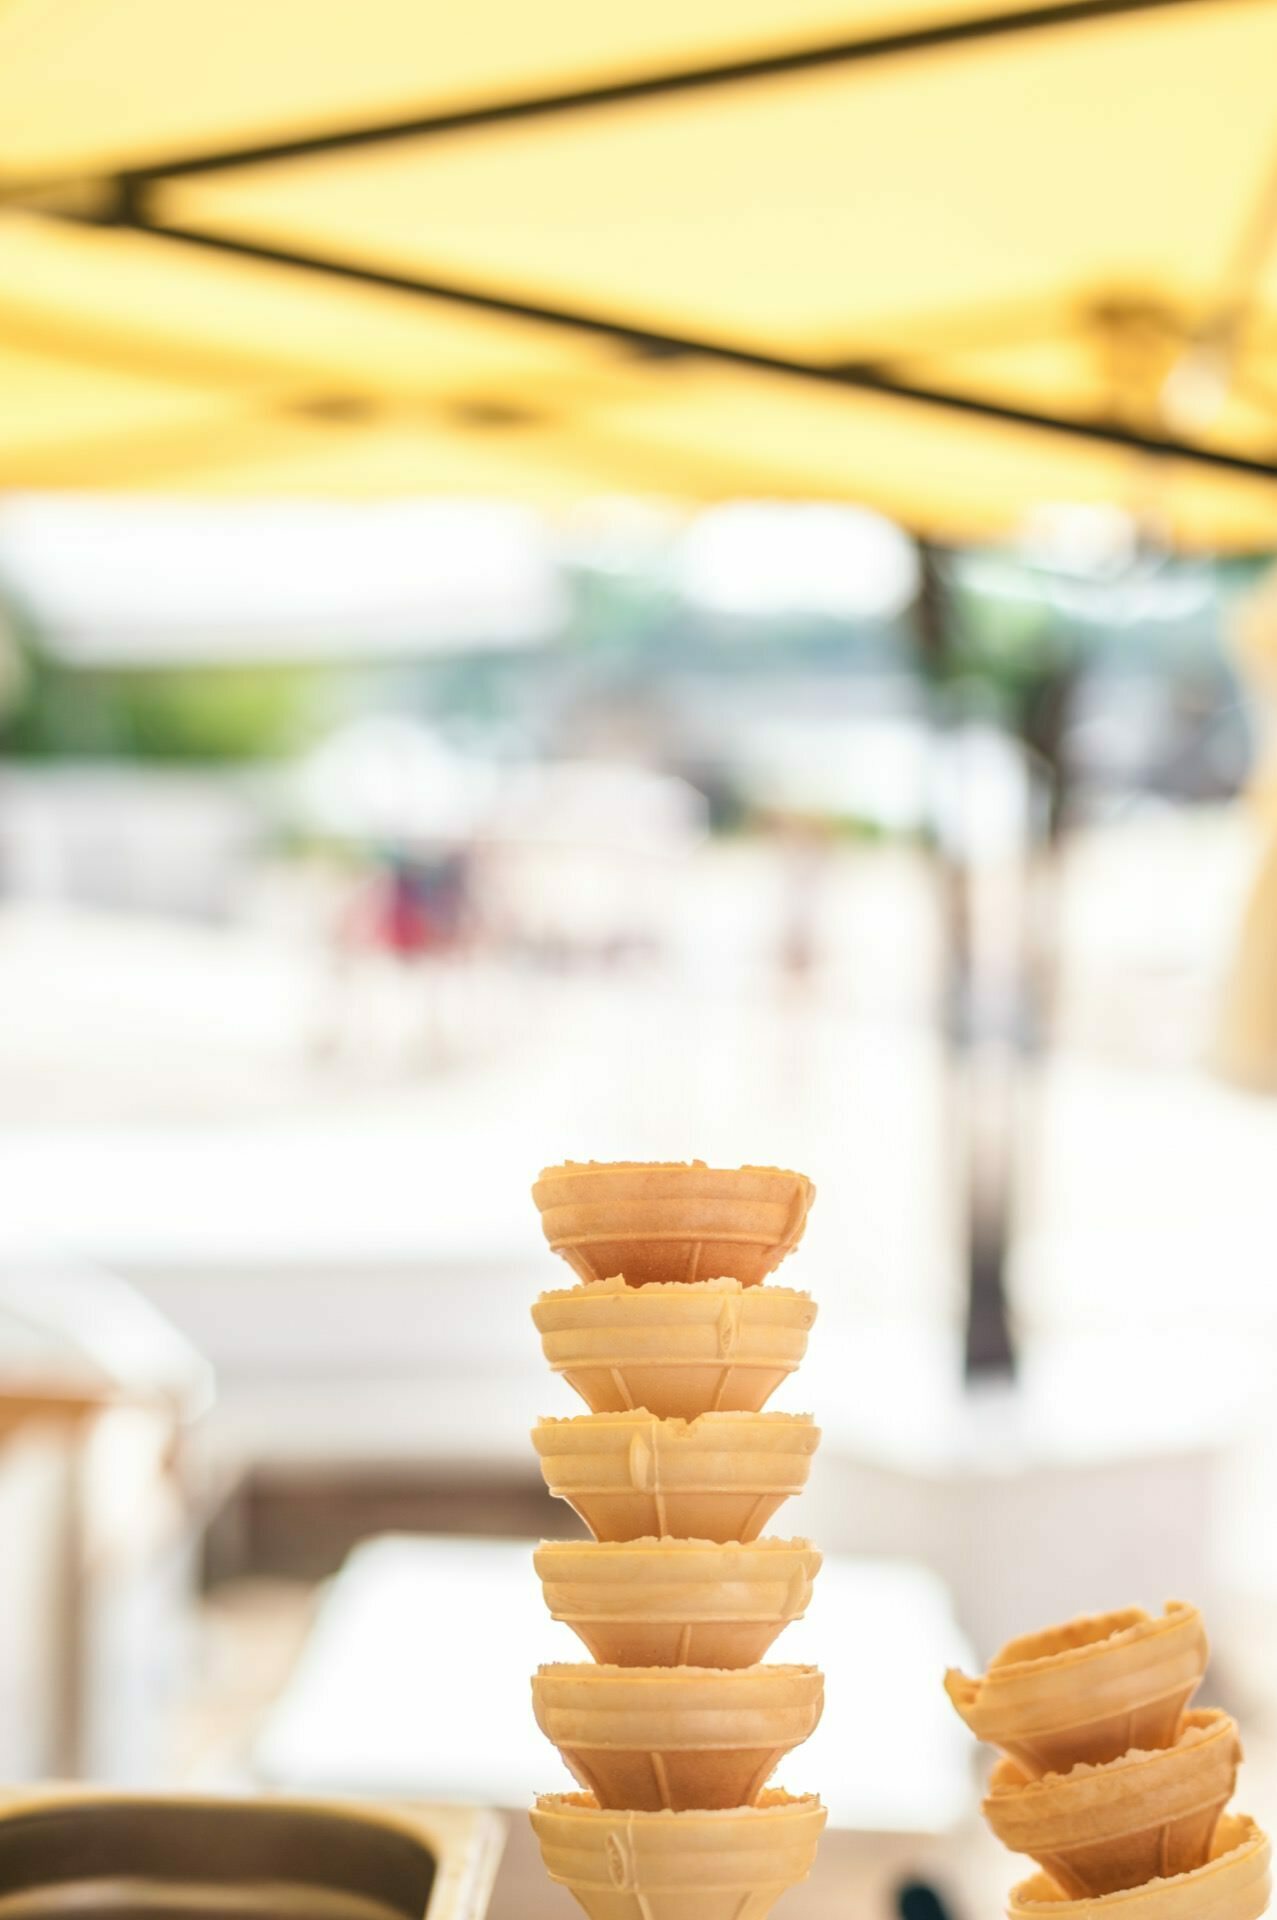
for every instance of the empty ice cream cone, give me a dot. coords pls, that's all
(668, 1220)
(1234, 1885)
(677, 1350)
(671, 1603)
(678, 1737)
(728, 1865)
(719, 1477)
(1090, 1690)
(1145, 1816)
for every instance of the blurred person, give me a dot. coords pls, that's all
(406, 918)
(418, 904)
(803, 845)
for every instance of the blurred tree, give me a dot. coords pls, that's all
(211, 714)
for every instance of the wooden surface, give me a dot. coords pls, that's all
(415, 1678)
(51, 1406)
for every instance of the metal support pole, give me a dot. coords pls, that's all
(983, 1103)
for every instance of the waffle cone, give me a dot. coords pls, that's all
(1234, 1885)
(668, 1221)
(677, 1350)
(1145, 1816)
(728, 1865)
(1090, 1690)
(718, 1477)
(680, 1737)
(673, 1603)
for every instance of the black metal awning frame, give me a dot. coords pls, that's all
(133, 199)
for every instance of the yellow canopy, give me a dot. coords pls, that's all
(934, 255)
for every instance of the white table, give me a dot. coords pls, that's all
(415, 1681)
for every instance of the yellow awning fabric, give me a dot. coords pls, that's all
(950, 259)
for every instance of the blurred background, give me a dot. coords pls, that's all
(687, 587)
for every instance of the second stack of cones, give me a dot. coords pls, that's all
(675, 1346)
(1109, 1783)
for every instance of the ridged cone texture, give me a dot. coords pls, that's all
(1235, 1883)
(1109, 1782)
(720, 1476)
(674, 1603)
(733, 1864)
(677, 1350)
(675, 1347)
(1090, 1690)
(1147, 1816)
(679, 1738)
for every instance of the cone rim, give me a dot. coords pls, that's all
(661, 1543)
(611, 1673)
(617, 1287)
(696, 1433)
(773, 1802)
(576, 1169)
(671, 1422)
(1139, 1626)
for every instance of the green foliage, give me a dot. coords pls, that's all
(207, 714)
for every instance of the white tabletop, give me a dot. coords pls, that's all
(416, 1681)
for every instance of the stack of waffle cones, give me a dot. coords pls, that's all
(1108, 1782)
(675, 1731)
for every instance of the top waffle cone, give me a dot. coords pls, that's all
(1090, 1690)
(669, 1221)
